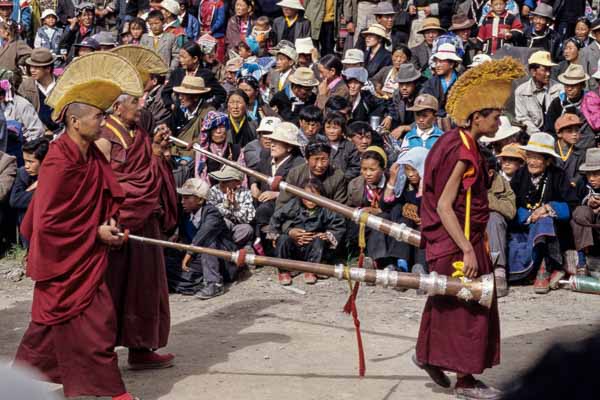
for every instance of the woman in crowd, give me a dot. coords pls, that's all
(385, 80)
(14, 51)
(241, 129)
(582, 31)
(332, 84)
(211, 15)
(571, 48)
(240, 25)
(257, 109)
(376, 56)
(137, 28)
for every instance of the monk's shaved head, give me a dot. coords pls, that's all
(77, 110)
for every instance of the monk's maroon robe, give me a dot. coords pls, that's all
(73, 331)
(455, 335)
(136, 274)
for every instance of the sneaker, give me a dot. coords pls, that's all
(285, 278)
(480, 391)
(501, 284)
(555, 278)
(148, 359)
(310, 278)
(542, 281)
(211, 290)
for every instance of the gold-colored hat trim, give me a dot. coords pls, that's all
(146, 60)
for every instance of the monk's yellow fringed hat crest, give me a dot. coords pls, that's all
(96, 79)
(485, 86)
(146, 60)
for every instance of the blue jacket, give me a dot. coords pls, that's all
(414, 140)
(192, 26)
(21, 16)
(218, 23)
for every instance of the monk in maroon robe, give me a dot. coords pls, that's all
(455, 335)
(137, 275)
(69, 225)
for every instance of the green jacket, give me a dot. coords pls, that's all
(315, 12)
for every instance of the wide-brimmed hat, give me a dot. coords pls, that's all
(304, 76)
(194, 187)
(40, 57)
(358, 73)
(227, 173)
(595, 25)
(286, 132)
(295, 4)
(424, 102)
(192, 85)
(512, 150)
(354, 56)
(543, 58)
(407, 73)
(460, 22)
(573, 75)
(541, 143)
(384, 8)
(282, 43)
(171, 6)
(289, 52)
(304, 45)
(566, 120)
(431, 24)
(47, 12)
(88, 42)
(378, 30)
(447, 51)
(267, 124)
(479, 59)
(592, 160)
(543, 10)
(505, 130)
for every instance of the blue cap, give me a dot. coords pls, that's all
(358, 73)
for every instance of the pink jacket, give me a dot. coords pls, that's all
(590, 107)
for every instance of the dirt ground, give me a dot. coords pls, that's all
(259, 341)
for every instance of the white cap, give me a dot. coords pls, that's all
(194, 187)
(304, 45)
(171, 6)
(354, 56)
(480, 59)
(267, 124)
(447, 51)
(47, 12)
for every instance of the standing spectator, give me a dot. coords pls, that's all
(533, 97)
(106, 16)
(292, 25)
(358, 15)
(376, 56)
(188, 21)
(278, 79)
(430, 30)
(574, 80)
(590, 55)
(171, 10)
(384, 16)
(14, 51)
(323, 18)
(290, 101)
(164, 43)
(48, 35)
(362, 102)
(499, 27)
(446, 62)
(332, 83)
(566, 15)
(462, 27)
(80, 27)
(540, 35)
(18, 12)
(211, 15)
(137, 28)
(240, 25)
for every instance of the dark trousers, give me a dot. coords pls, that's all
(288, 249)
(586, 229)
(327, 38)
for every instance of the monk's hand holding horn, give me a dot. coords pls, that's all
(108, 233)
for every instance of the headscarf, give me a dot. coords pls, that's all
(414, 157)
(212, 120)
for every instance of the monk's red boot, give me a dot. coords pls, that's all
(148, 359)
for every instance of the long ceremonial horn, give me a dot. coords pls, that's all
(480, 289)
(399, 232)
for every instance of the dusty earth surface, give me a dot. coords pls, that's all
(259, 341)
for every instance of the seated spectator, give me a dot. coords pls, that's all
(430, 30)
(511, 159)
(240, 131)
(583, 28)
(332, 83)
(290, 101)
(462, 27)
(8, 171)
(153, 101)
(306, 231)
(284, 154)
(399, 117)
(376, 55)
(511, 7)
(543, 199)
(590, 106)
(192, 107)
(27, 177)
(310, 120)
(188, 21)
(214, 138)
(292, 25)
(248, 49)
(257, 108)
(406, 179)
(229, 81)
(344, 155)
(361, 135)
(340, 105)
(241, 24)
(213, 22)
(533, 97)
(14, 51)
(354, 58)
(586, 217)
(48, 35)
(498, 27)
(568, 128)
(363, 103)
(371, 193)
(286, 57)
(201, 224)
(317, 166)
(16, 108)
(506, 134)
(386, 80)
(86, 46)
(260, 146)
(590, 55)
(41, 69)
(307, 53)
(446, 61)
(571, 49)
(540, 35)
(574, 80)
(424, 132)
(234, 203)
(79, 28)
(501, 199)
(162, 42)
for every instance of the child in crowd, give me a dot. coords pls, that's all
(261, 31)
(568, 130)
(424, 132)
(498, 27)
(248, 49)
(511, 160)
(310, 119)
(137, 28)
(305, 231)
(361, 135)
(285, 58)
(344, 155)
(27, 176)
(164, 43)
(48, 35)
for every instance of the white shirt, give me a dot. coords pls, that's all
(424, 135)
(195, 218)
(46, 90)
(275, 166)
(283, 77)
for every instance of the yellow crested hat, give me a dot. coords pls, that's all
(485, 86)
(146, 60)
(95, 79)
